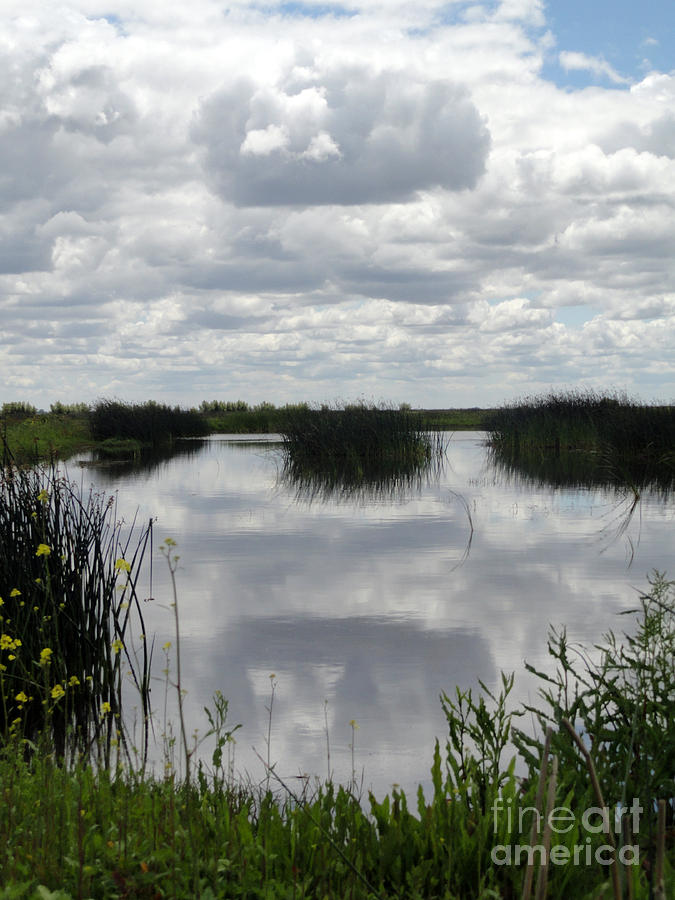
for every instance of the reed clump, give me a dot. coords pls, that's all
(357, 443)
(151, 424)
(585, 421)
(68, 603)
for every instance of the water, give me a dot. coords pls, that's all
(365, 608)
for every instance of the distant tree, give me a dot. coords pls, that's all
(69, 409)
(18, 409)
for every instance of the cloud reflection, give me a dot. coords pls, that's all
(363, 604)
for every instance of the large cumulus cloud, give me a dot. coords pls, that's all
(346, 136)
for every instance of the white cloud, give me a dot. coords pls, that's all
(574, 61)
(346, 135)
(528, 11)
(264, 141)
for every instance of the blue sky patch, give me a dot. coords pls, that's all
(630, 38)
(312, 10)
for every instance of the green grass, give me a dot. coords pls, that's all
(43, 435)
(471, 419)
(120, 448)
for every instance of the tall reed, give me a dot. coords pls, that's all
(150, 423)
(356, 443)
(585, 420)
(69, 587)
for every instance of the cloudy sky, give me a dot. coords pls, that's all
(444, 203)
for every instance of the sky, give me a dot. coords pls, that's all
(443, 203)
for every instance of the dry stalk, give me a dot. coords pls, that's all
(542, 877)
(616, 884)
(543, 769)
(660, 887)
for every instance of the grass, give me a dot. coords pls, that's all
(471, 419)
(41, 436)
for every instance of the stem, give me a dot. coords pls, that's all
(616, 885)
(173, 561)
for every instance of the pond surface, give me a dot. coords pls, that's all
(364, 607)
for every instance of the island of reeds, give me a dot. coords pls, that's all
(356, 445)
(512, 813)
(585, 436)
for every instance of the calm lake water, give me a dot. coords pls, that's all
(366, 608)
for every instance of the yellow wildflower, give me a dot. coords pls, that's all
(117, 645)
(15, 592)
(21, 697)
(57, 692)
(73, 681)
(105, 708)
(122, 565)
(43, 496)
(7, 642)
(45, 656)
(43, 550)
